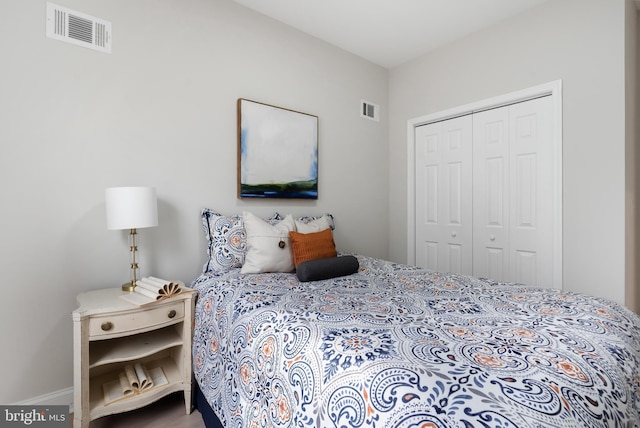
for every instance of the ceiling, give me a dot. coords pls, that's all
(389, 32)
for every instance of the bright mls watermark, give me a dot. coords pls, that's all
(34, 416)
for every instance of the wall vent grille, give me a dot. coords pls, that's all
(78, 28)
(369, 110)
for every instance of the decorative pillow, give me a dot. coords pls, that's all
(308, 224)
(269, 246)
(310, 246)
(226, 240)
(332, 267)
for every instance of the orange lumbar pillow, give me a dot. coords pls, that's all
(311, 246)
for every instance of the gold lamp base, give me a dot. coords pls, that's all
(131, 285)
(128, 286)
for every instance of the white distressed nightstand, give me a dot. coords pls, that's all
(110, 333)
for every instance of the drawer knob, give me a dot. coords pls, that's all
(172, 313)
(106, 326)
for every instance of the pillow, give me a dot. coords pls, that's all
(268, 246)
(332, 267)
(310, 246)
(314, 224)
(226, 240)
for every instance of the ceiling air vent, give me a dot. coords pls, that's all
(369, 110)
(78, 28)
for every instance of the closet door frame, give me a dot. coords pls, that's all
(553, 89)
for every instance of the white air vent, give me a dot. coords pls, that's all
(369, 110)
(78, 28)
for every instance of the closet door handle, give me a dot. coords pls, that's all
(454, 234)
(492, 238)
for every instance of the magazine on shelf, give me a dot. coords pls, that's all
(132, 381)
(151, 289)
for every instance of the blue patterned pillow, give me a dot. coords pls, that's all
(226, 240)
(310, 220)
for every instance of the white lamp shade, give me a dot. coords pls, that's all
(131, 207)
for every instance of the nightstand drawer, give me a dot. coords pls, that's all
(141, 319)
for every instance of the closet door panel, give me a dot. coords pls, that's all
(443, 196)
(494, 263)
(428, 155)
(491, 194)
(531, 239)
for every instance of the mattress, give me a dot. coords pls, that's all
(398, 346)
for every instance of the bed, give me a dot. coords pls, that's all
(397, 346)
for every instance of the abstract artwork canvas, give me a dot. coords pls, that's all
(277, 152)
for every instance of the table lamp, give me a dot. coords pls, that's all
(131, 208)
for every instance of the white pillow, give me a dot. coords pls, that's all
(315, 225)
(268, 246)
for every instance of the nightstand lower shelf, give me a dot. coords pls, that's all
(96, 401)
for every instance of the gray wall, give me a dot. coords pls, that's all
(581, 42)
(159, 111)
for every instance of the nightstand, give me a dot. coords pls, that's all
(110, 334)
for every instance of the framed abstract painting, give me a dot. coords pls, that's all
(277, 152)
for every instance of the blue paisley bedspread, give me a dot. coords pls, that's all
(396, 346)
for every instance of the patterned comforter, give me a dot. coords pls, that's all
(396, 346)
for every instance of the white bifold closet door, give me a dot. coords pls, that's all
(484, 194)
(444, 216)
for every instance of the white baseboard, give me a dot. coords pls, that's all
(63, 397)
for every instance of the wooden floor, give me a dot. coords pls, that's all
(166, 412)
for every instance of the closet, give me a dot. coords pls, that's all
(485, 188)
